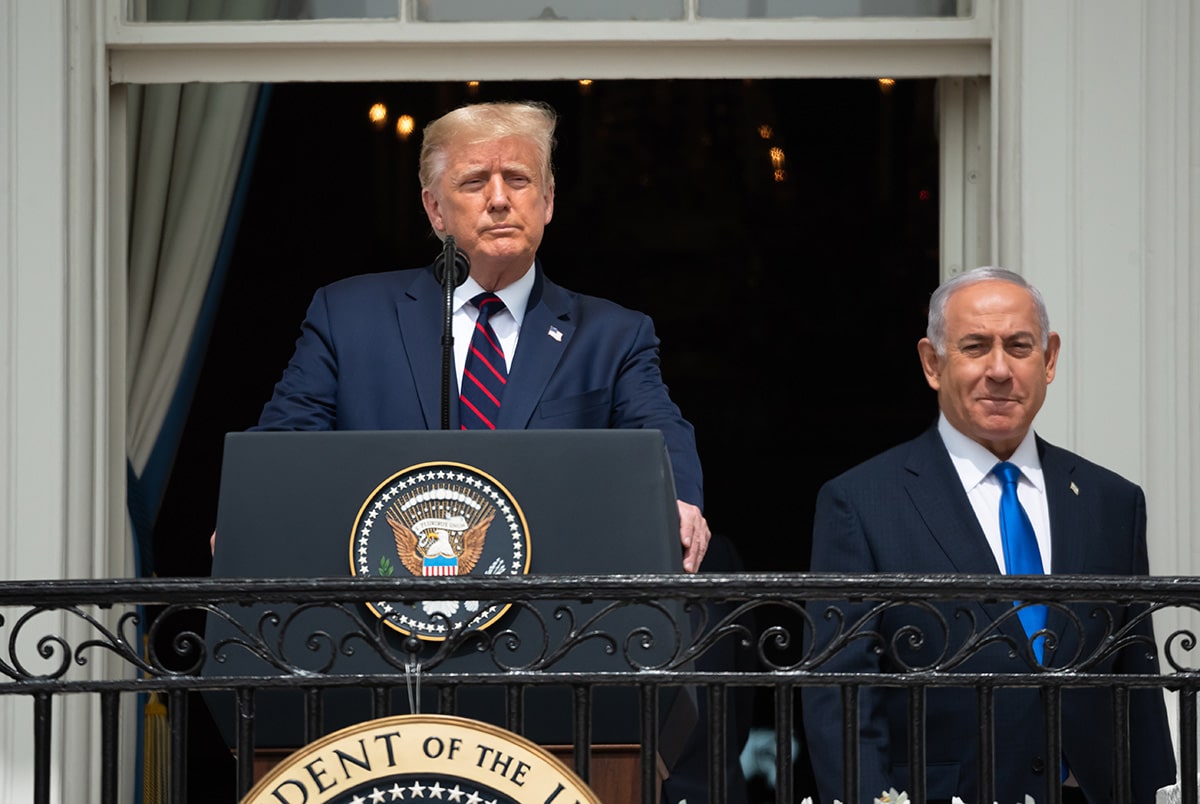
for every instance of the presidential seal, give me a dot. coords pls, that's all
(439, 520)
(410, 757)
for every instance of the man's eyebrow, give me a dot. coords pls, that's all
(468, 175)
(974, 337)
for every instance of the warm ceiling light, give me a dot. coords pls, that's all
(378, 115)
(404, 126)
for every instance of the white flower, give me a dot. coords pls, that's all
(892, 797)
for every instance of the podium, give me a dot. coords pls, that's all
(296, 504)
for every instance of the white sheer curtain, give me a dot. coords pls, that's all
(188, 146)
(190, 142)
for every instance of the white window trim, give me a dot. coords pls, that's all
(965, 134)
(401, 50)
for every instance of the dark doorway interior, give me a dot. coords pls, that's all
(788, 293)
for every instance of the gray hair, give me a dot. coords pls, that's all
(936, 330)
(480, 122)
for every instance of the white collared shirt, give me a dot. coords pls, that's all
(974, 464)
(506, 324)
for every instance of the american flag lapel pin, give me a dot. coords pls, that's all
(556, 335)
(1074, 488)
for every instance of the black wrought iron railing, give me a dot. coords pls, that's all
(304, 655)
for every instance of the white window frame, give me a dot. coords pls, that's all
(402, 50)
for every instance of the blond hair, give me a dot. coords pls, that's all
(532, 121)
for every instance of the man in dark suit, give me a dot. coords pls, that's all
(369, 353)
(933, 505)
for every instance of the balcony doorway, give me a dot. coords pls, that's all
(783, 235)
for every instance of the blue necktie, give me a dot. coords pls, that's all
(1021, 554)
(485, 372)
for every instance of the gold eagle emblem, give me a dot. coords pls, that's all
(465, 545)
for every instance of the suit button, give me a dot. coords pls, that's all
(1038, 765)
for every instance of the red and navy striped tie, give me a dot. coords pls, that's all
(485, 373)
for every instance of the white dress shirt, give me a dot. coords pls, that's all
(506, 324)
(974, 464)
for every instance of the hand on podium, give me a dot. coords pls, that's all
(693, 533)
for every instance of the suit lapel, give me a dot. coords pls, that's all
(1068, 535)
(949, 516)
(1067, 526)
(419, 315)
(937, 493)
(546, 331)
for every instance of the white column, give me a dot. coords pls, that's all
(1170, 192)
(1170, 351)
(1098, 181)
(61, 476)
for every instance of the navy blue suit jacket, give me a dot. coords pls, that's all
(905, 511)
(369, 357)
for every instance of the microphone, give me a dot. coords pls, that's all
(459, 265)
(455, 256)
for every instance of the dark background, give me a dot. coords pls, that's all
(788, 305)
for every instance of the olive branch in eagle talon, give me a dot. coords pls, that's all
(466, 546)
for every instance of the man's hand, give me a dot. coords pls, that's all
(694, 534)
(212, 543)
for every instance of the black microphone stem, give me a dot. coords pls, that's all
(449, 283)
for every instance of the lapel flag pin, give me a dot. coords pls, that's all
(556, 335)
(1074, 488)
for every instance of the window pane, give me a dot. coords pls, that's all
(426, 10)
(491, 11)
(835, 8)
(182, 10)
(523, 10)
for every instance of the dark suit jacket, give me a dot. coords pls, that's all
(369, 357)
(905, 511)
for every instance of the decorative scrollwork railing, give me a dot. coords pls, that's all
(679, 620)
(652, 632)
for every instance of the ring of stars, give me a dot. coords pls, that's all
(445, 488)
(435, 791)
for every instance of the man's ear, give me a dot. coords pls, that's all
(1053, 343)
(930, 363)
(433, 211)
